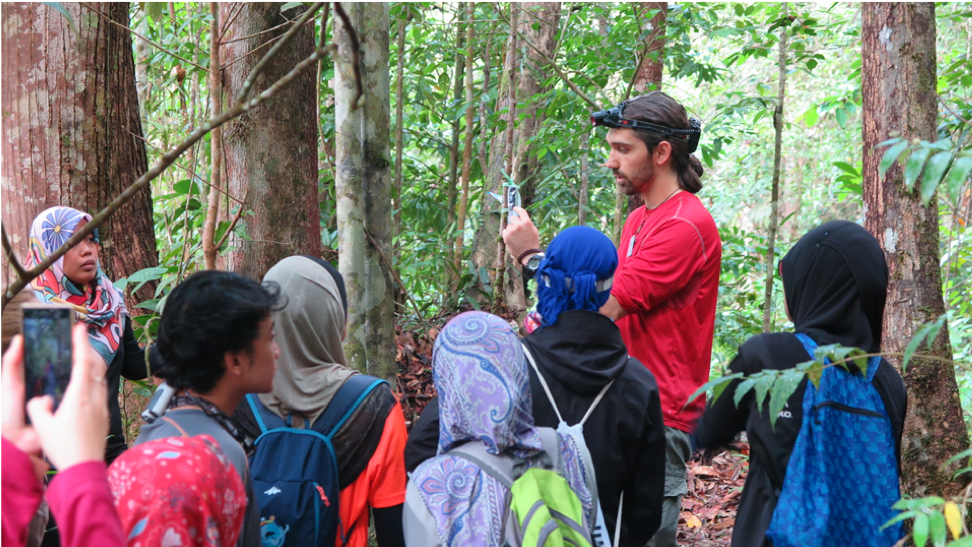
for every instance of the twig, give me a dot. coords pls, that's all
(166, 160)
(398, 280)
(192, 174)
(251, 52)
(226, 26)
(355, 54)
(10, 256)
(271, 29)
(150, 42)
(236, 218)
(307, 16)
(950, 111)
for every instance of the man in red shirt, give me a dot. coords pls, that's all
(667, 282)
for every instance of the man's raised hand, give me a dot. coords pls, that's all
(520, 234)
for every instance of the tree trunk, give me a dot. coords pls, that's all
(271, 152)
(452, 191)
(585, 146)
(898, 85)
(71, 129)
(364, 192)
(775, 190)
(468, 140)
(215, 142)
(538, 22)
(399, 148)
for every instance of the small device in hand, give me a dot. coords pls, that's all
(47, 349)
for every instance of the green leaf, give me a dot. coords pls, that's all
(920, 532)
(782, 389)
(957, 175)
(811, 64)
(811, 116)
(933, 174)
(890, 156)
(847, 168)
(147, 274)
(742, 389)
(718, 385)
(184, 187)
(913, 166)
(56, 6)
(289, 6)
(763, 385)
(841, 114)
(928, 331)
(939, 532)
(899, 518)
(120, 284)
(154, 10)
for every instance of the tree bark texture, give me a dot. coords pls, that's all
(364, 192)
(72, 134)
(527, 118)
(215, 142)
(775, 189)
(452, 189)
(898, 84)
(467, 146)
(271, 151)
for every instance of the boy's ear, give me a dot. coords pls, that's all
(233, 363)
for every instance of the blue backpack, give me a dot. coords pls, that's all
(295, 471)
(842, 477)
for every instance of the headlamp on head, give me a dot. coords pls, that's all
(614, 118)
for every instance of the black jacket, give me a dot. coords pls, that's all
(770, 449)
(129, 361)
(625, 434)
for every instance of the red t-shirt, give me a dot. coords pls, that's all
(668, 282)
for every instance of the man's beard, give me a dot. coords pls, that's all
(632, 186)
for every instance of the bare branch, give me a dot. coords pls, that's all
(11, 256)
(398, 280)
(262, 32)
(229, 21)
(952, 112)
(307, 16)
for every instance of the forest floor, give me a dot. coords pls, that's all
(714, 480)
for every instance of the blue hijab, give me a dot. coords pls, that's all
(576, 274)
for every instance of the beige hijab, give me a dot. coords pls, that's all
(309, 331)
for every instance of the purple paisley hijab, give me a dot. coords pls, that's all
(484, 396)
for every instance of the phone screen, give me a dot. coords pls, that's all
(47, 350)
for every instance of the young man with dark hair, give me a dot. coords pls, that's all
(667, 282)
(216, 338)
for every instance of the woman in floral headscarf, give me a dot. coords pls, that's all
(76, 279)
(483, 382)
(178, 491)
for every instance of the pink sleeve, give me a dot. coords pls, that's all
(21, 494)
(81, 503)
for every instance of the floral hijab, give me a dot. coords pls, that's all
(99, 304)
(178, 491)
(484, 396)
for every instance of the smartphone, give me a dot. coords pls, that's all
(47, 349)
(512, 200)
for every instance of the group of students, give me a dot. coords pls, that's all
(577, 433)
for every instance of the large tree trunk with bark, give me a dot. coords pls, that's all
(898, 80)
(538, 23)
(270, 152)
(71, 128)
(364, 192)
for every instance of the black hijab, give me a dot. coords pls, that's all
(836, 281)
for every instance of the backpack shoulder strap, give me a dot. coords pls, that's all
(543, 381)
(354, 390)
(264, 417)
(550, 397)
(498, 467)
